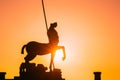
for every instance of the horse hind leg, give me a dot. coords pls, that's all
(29, 57)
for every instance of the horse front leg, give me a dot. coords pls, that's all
(64, 53)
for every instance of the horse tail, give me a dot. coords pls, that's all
(22, 51)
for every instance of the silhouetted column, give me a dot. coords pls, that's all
(97, 75)
(2, 75)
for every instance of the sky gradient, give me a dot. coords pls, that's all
(89, 30)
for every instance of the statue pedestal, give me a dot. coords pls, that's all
(31, 71)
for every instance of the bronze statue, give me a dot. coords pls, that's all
(34, 48)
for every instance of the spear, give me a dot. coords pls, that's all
(44, 15)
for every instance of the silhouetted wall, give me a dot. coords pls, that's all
(2, 75)
(97, 75)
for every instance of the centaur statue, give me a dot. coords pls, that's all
(34, 48)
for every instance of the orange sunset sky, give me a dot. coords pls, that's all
(89, 30)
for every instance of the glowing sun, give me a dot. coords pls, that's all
(58, 56)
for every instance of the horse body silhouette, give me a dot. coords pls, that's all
(34, 48)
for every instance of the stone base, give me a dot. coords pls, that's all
(31, 71)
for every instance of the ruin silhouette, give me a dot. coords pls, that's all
(34, 48)
(97, 75)
(2, 75)
(31, 71)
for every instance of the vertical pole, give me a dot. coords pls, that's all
(44, 15)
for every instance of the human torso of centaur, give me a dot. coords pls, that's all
(53, 37)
